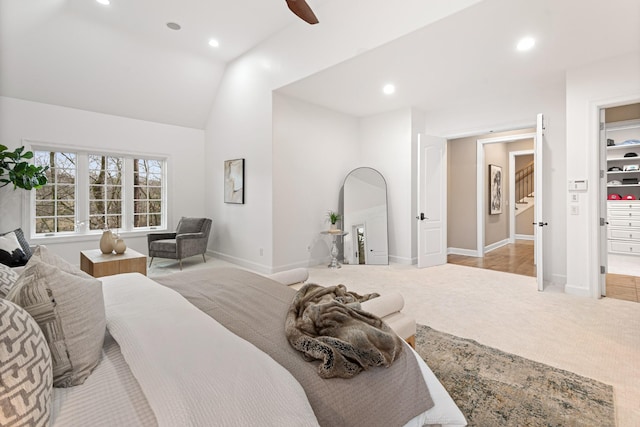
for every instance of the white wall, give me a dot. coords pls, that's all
(34, 121)
(239, 125)
(386, 145)
(611, 82)
(313, 150)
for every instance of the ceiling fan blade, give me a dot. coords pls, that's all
(302, 10)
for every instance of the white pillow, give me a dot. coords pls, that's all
(11, 251)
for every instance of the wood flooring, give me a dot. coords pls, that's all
(623, 287)
(518, 258)
(512, 258)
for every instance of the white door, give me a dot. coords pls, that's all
(432, 201)
(539, 222)
(376, 240)
(602, 205)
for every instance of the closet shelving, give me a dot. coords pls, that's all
(623, 216)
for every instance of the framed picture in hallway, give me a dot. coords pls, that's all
(495, 189)
(234, 181)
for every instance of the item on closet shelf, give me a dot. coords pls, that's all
(614, 197)
(630, 168)
(614, 182)
(615, 169)
(631, 142)
(610, 142)
(629, 181)
(631, 155)
(629, 197)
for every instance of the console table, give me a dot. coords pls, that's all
(334, 246)
(97, 264)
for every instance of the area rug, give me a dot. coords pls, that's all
(494, 388)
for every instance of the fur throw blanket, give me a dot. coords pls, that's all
(328, 324)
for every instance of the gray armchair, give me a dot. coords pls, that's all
(191, 238)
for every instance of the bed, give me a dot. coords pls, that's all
(175, 355)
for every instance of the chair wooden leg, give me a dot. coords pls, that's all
(180, 265)
(150, 261)
(203, 258)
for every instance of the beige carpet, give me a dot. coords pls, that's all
(599, 339)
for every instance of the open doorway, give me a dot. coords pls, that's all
(502, 240)
(620, 201)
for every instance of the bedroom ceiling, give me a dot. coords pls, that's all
(470, 58)
(122, 59)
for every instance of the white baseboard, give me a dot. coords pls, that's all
(559, 279)
(524, 237)
(496, 245)
(402, 260)
(464, 252)
(253, 266)
(577, 291)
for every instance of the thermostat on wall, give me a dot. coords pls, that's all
(578, 185)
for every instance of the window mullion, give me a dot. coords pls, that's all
(82, 193)
(127, 195)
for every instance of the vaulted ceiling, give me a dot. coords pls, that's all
(122, 59)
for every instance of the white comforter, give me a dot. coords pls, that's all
(196, 373)
(241, 386)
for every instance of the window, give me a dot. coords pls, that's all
(105, 192)
(55, 202)
(88, 192)
(147, 193)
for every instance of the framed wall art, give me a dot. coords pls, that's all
(495, 189)
(234, 181)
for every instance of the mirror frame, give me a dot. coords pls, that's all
(344, 213)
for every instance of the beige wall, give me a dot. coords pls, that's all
(623, 112)
(461, 185)
(524, 222)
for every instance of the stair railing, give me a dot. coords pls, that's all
(524, 183)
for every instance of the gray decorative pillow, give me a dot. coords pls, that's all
(7, 278)
(189, 225)
(25, 369)
(11, 251)
(41, 253)
(70, 311)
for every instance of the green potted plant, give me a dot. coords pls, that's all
(333, 217)
(14, 170)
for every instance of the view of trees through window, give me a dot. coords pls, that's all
(56, 201)
(147, 193)
(98, 190)
(105, 192)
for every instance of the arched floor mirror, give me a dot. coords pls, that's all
(365, 217)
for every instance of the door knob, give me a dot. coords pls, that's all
(421, 217)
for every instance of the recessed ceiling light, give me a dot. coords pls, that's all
(104, 2)
(388, 89)
(214, 43)
(173, 25)
(526, 43)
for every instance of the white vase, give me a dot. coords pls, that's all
(333, 227)
(106, 242)
(120, 246)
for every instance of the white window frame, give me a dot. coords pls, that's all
(82, 231)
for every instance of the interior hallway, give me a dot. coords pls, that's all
(518, 258)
